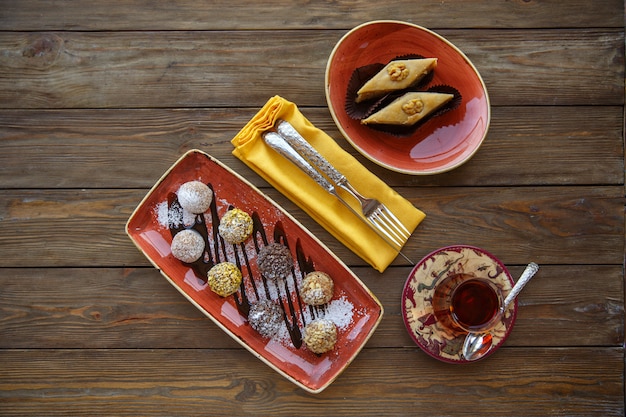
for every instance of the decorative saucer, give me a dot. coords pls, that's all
(435, 339)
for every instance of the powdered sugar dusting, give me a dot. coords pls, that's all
(167, 217)
(195, 196)
(339, 311)
(172, 216)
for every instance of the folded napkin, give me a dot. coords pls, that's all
(323, 207)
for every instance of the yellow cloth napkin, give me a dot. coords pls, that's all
(323, 207)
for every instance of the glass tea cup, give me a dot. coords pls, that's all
(466, 303)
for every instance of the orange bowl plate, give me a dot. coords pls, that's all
(441, 143)
(354, 309)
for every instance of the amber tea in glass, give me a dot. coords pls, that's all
(467, 303)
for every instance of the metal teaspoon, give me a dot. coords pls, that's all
(476, 345)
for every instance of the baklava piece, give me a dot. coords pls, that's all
(409, 109)
(396, 75)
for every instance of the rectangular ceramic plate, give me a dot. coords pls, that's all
(354, 309)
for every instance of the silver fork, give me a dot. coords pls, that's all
(378, 216)
(280, 145)
(375, 211)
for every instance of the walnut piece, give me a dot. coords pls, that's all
(413, 106)
(397, 71)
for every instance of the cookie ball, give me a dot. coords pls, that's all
(235, 226)
(274, 261)
(265, 317)
(320, 336)
(187, 245)
(195, 197)
(317, 288)
(224, 279)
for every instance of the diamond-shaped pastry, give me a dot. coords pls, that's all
(409, 109)
(396, 75)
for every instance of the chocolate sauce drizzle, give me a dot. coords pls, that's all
(215, 252)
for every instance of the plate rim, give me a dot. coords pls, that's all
(284, 212)
(371, 157)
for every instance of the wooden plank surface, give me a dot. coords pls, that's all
(241, 14)
(136, 308)
(133, 148)
(199, 69)
(163, 382)
(553, 225)
(98, 99)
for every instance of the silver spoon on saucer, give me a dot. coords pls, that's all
(477, 345)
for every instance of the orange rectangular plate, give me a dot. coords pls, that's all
(354, 309)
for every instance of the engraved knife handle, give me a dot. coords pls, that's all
(280, 145)
(300, 144)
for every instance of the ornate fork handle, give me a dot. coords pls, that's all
(295, 139)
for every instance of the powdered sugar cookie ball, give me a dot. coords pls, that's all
(187, 245)
(235, 226)
(195, 196)
(320, 335)
(317, 288)
(224, 278)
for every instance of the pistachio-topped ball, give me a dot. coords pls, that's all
(235, 226)
(224, 279)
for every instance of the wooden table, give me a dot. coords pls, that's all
(98, 99)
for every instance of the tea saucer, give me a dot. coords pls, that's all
(436, 340)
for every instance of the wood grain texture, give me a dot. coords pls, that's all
(553, 225)
(217, 69)
(133, 148)
(136, 308)
(575, 381)
(242, 14)
(98, 99)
